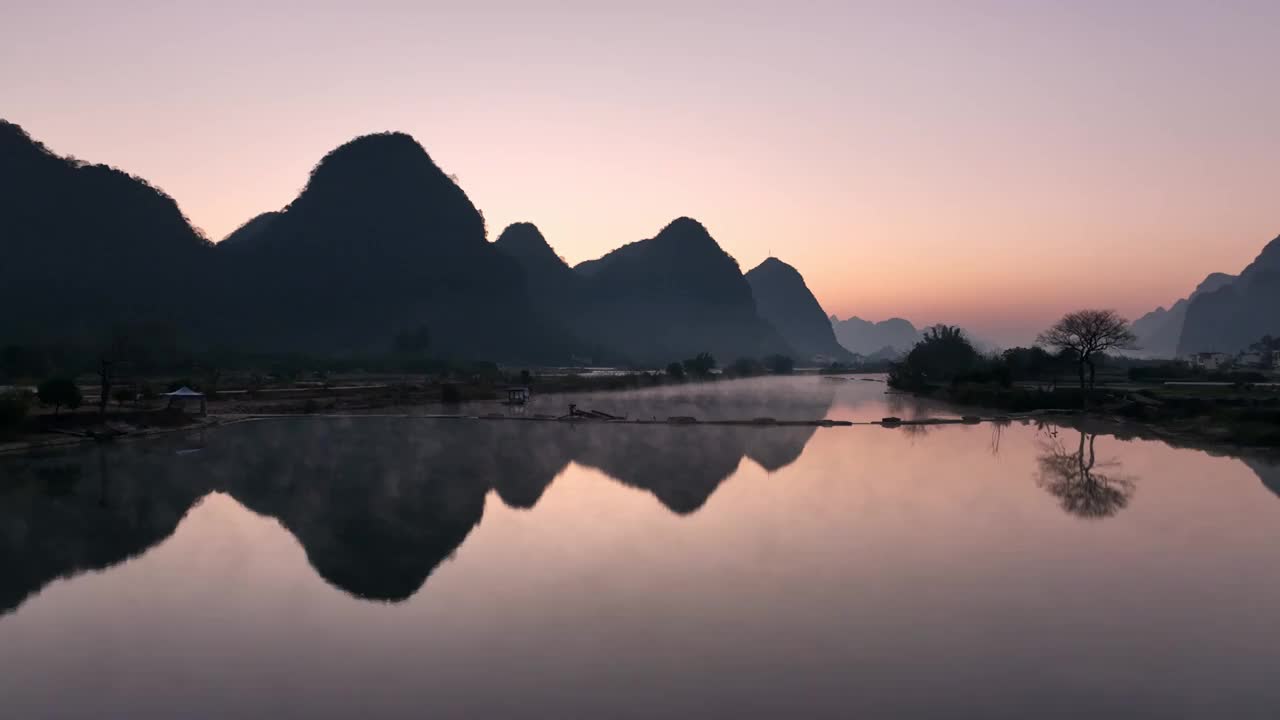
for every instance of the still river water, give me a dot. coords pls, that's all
(390, 567)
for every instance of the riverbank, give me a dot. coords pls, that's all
(1240, 415)
(343, 395)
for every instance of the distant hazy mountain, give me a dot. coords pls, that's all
(871, 338)
(784, 301)
(1231, 317)
(84, 247)
(1159, 330)
(379, 241)
(672, 296)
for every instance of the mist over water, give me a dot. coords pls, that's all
(397, 567)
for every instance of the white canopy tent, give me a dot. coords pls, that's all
(184, 394)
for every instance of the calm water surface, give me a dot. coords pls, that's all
(384, 567)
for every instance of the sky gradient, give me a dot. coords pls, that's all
(991, 164)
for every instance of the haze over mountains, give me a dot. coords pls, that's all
(887, 338)
(1238, 313)
(1160, 330)
(1225, 313)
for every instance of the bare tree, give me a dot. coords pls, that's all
(1086, 334)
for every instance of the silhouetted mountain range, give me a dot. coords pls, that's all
(886, 338)
(785, 302)
(671, 296)
(1159, 330)
(250, 231)
(550, 279)
(1238, 313)
(85, 246)
(379, 242)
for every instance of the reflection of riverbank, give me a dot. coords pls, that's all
(1239, 418)
(1264, 464)
(1129, 430)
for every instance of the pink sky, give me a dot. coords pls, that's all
(991, 164)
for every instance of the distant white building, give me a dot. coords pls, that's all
(1209, 360)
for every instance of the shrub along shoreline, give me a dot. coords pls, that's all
(1237, 410)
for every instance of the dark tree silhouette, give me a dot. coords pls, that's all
(745, 367)
(1086, 335)
(122, 396)
(59, 392)
(1075, 478)
(1035, 363)
(700, 365)
(780, 364)
(941, 355)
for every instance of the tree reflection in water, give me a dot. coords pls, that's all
(1077, 479)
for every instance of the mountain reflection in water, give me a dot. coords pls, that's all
(1051, 570)
(377, 503)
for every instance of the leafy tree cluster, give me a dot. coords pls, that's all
(944, 354)
(1081, 340)
(1035, 363)
(745, 367)
(59, 392)
(771, 365)
(703, 364)
(700, 365)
